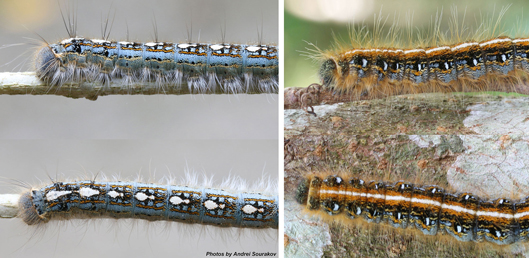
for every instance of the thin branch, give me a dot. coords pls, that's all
(27, 83)
(9, 205)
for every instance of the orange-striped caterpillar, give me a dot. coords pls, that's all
(378, 62)
(329, 147)
(469, 66)
(430, 209)
(408, 237)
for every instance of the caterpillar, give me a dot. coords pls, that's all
(124, 160)
(197, 206)
(469, 66)
(183, 66)
(236, 68)
(430, 209)
(380, 62)
(196, 114)
(64, 200)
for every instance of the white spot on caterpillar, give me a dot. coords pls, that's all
(177, 200)
(464, 45)
(142, 197)
(100, 41)
(249, 209)
(185, 45)
(52, 195)
(494, 41)
(115, 194)
(253, 48)
(414, 51)
(210, 205)
(216, 47)
(520, 40)
(66, 41)
(87, 192)
(437, 49)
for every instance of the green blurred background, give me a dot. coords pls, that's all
(315, 21)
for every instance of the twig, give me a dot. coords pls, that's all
(27, 83)
(9, 205)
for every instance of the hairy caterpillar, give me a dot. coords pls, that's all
(382, 60)
(200, 204)
(121, 199)
(229, 159)
(372, 230)
(183, 66)
(430, 209)
(237, 68)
